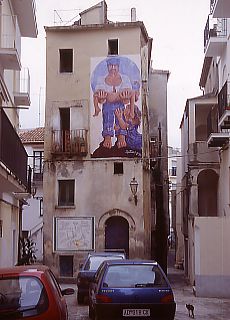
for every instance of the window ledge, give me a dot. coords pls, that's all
(65, 207)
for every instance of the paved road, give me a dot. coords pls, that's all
(205, 308)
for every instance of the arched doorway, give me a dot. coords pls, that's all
(117, 234)
(207, 193)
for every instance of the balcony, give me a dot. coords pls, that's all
(13, 158)
(10, 43)
(25, 11)
(215, 36)
(220, 8)
(224, 106)
(69, 142)
(22, 88)
(216, 138)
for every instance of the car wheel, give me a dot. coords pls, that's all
(80, 298)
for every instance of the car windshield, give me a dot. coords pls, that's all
(94, 261)
(22, 297)
(134, 276)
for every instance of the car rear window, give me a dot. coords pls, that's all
(134, 276)
(21, 297)
(94, 261)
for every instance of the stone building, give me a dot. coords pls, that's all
(96, 151)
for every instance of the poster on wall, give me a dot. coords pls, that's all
(74, 233)
(115, 117)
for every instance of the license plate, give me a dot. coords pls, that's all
(136, 312)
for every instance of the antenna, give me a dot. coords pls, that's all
(39, 108)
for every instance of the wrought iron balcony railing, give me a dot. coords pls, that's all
(10, 42)
(212, 5)
(224, 99)
(22, 87)
(214, 28)
(70, 142)
(12, 151)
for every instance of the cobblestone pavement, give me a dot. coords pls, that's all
(205, 308)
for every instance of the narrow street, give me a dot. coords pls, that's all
(205, 308)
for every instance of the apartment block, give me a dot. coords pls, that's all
(205, 166)
(17, 20)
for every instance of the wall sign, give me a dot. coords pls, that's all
(74, 234)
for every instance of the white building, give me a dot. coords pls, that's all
(32, 214)
(17, 20)
(205, 166)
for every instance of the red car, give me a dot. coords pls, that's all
(31, 292)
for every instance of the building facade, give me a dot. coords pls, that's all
(96, 153)
(17, 20)
(205, 167)
(32, 213)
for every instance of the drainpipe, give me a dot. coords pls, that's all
(19, 230)
(161, 223)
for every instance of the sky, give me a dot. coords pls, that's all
(177, 29)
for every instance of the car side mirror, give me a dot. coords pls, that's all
(80, 266)
(67, 291)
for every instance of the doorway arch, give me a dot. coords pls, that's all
(207, 193)
(117, 233)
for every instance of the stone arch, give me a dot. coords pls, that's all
(207, 181)
(101, 229)
(116, 212)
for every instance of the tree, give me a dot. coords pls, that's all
(27, 251)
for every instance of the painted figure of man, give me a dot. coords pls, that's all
(112, 91)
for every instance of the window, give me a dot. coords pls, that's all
(118, 168)
(41, 207)
(66, 60)
(26, 293)
(66, 193)
(173, 168)
(38, 165)
(113, 46)
(66, 266)
(173, 171)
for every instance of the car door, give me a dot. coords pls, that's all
(60, 300)
(93, 287)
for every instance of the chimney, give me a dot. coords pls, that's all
(133, 15)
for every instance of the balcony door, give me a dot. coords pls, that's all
(65, 128)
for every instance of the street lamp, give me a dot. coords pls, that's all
(133, 186)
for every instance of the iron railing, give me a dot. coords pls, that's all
(215, 27)
(212, 5)
(71, 142)
(12, 151)
(10, 33)
(224, 99)
(22, 83)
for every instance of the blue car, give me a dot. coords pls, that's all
(88, 270)
(131, 289)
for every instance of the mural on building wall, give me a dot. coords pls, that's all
(115, 127)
